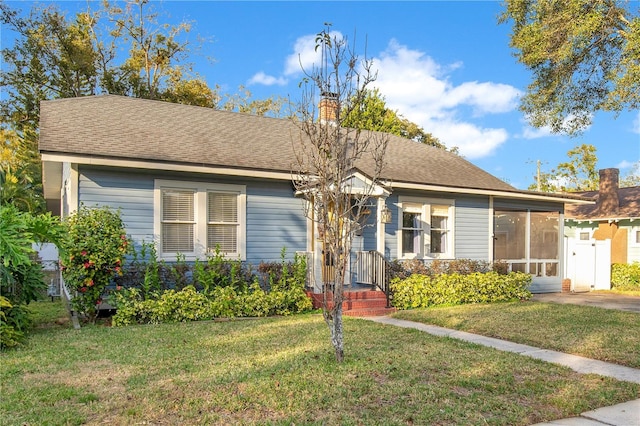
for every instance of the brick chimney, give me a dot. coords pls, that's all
(328, 107)
(608, 202)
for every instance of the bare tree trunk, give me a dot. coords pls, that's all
(327, 157)
(333, 318)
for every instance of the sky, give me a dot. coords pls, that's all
(446, 66)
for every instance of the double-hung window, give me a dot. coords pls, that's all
(425, 228)
(178, 220)
(194, 219)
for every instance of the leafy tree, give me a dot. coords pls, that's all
(373, 114)
(632, 178)
(19, 174)
(584, 56)
(326, 160)
(242, 102)
(580, 173)
(58, 57)
(51, 59)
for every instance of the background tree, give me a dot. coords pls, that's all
(373, 114)
(58, 57)
(326, 160)
(580, 173)
(584, 56)
(632, 178)
(242, 101)
(52, 58)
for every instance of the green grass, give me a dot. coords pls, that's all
(603, 334)
(282, 371)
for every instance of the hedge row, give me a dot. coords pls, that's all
(421, 291)
(223, 302)
(625, 276)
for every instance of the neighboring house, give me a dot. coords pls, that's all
(603, 233)
(190, 178)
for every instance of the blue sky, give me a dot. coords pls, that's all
(444, 65)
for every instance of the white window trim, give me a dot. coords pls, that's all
(426, 231)
(632, 239)
(200, 215)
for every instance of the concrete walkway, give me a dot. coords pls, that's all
(618, 302)
(625, 414)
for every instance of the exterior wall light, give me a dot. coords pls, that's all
(385, 215)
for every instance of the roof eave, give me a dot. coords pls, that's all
(513, 194)
(59, 158)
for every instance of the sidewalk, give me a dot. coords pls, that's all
(625, 414)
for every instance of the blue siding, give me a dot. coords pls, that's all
(275, 218)
(471, 223)
(391, 229)
(472, 228)
(131, 193)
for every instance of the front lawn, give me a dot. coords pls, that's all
(282, 371)
(603, 334)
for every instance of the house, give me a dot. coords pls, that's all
(601, 234)
(190, 178)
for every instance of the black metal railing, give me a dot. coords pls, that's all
(373, 269)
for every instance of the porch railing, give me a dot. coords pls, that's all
(373, 269)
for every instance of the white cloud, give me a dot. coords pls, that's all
(624, 164)
(419, 88)
(472, 140)
(305, 55)
(530, 132)
(267, 80)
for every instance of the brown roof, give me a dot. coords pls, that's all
(629, 206)
(110, 126)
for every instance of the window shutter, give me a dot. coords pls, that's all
(178, 221)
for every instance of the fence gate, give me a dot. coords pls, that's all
(589, 265)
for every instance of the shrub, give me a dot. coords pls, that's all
(13, 322)
(215, 288)
(219, 271)
(21, 276)
(405, 268)
(283, 274)
(94, 254)
(420, 291)
(625, 276)
(222, 302)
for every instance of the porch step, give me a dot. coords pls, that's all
(359, 303)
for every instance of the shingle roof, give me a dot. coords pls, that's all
(110, 126)
(629, 206)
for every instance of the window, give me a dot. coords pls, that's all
(637, 237)
(412, 229)
(584, 236)
(222, 222)
(425, 228)
(528, 241)
(439, 229)
(194, 219)
(178, 220)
